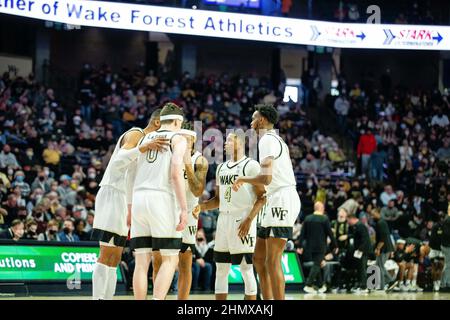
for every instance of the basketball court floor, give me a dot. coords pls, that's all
(289, 296)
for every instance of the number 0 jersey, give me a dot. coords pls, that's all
(232, 202)
(153, 167)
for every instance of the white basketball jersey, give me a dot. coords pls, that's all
(117, 178)
(282, 171)
(232, 202)
(191, 200)
(153, 167)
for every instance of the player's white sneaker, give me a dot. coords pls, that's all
(323, 289)
(309, 289)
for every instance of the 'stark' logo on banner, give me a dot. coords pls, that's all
(412, 36)
(335, 34)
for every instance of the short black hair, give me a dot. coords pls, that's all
(268, 111)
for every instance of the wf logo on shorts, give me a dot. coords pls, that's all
(248, 240)
(192, 230)
(279, 213)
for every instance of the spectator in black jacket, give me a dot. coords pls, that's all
(15, 232)
(383, 247)
(316, 229)
(362, 249)
(445, 246)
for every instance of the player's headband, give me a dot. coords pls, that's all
(171, 117)
(188, 132)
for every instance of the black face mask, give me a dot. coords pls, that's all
(66, 230)
(41, 178)
(52, 232)
(39, 215)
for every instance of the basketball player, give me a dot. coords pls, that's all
(111, 222)
(236, 226)
(283, 202)
(159, 211)
(195, 170)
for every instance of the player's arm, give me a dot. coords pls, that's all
(131, 148)
(197, 178)
(260, 193)
(179, 145)
(210, 204)
(264, 178)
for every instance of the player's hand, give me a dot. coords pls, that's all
(237, 184)
(196, 211)
(336, 251)
(157, 144)
(183, 221)
(244, 227)
(343, 237)
(300, 251)
(377, 252)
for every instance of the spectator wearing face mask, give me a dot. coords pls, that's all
(202, 268)
(15, 232)
(309, 164)
(28, 160)
(41, 182)
(31, 230)
(20, 182)
(68, 235)
(51, 233)
(8, 159)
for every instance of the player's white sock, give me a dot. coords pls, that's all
(414, 282)
(249, 278)
(112, 282)
(100, 277)
(222, 270)
(408, 282)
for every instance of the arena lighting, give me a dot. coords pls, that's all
(231, 25)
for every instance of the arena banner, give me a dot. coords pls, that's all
(127, 16)
(289, 263)
(24, 263)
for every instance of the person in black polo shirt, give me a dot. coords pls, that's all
(362, 248)
(383, 247)
(445, 247)
(316, 228)
(436, 255)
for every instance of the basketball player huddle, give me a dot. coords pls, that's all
(152, 187)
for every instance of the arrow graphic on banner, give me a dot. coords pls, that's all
(389, 36)
(438, 38)
(316, 33)
(362, 36)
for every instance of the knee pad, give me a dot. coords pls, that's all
(249, 278)
(222, 270)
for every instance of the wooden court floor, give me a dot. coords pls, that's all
(289, 296)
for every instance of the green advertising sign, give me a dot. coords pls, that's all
(48, 263)
(291, 270)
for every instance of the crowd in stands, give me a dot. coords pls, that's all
(53, 154)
